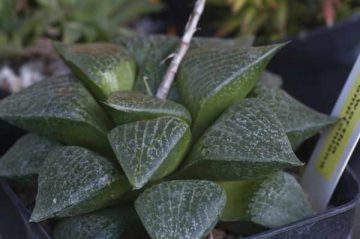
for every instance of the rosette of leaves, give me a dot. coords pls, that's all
(215, 155)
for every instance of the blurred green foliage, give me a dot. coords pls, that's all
(22, 22)
(274, 19)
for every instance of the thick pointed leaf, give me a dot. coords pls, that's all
(186, 209)
(150, 53)
(104, 68)
(238, 198)
(151, 149)
(60, 108)
(300, 122)
(125, 107)
(74, 180)
(210, 80)
(110, 223)
(279, 200)
(26, 156)
(247, 141)
(272, 201)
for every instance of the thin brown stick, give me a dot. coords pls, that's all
(180, 52)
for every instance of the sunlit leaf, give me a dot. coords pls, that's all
(104, 68)
(211, 79)
(150, 149)
(186, 209)
(26, 156)
(247, 141)
(74, 180)
(125, 107)
(60, 108)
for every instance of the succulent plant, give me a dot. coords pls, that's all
(111, 158)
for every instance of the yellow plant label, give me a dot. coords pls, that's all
(340, 135)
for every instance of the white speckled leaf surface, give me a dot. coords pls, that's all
(74, 180)
(150, 149)
(109, 223)
(247, 141)
(279, 200)
(186, 209)
(211, 79)
(125, 107)
(60, 108)
(103, 68)
(300, 122)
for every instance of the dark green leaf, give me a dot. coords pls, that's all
(211, 79)
(300, 122)
(26, 156)
(110, 223)
(151, 149)
(246, 142)
(279, 200)
(125, 107)
(60, 108)
(180, 209)
(104, 68)
(150, 53)
(74, 180)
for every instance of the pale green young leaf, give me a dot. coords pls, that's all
(150, 149)
(74, 180)
(186, 209)
(103, 68)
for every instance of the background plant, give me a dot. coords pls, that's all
(275, 19)
(23, 22)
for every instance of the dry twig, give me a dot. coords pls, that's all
(179, 54)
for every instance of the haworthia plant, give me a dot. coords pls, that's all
(103, 68)
(151, 149)
(60, 108)
(26, 156)
(210, 80)
(75, 180)
(258, 201)
(246, 142)
(125, 107)
(180, 209)
(111, 223)
(211, 133)
(300, 122)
